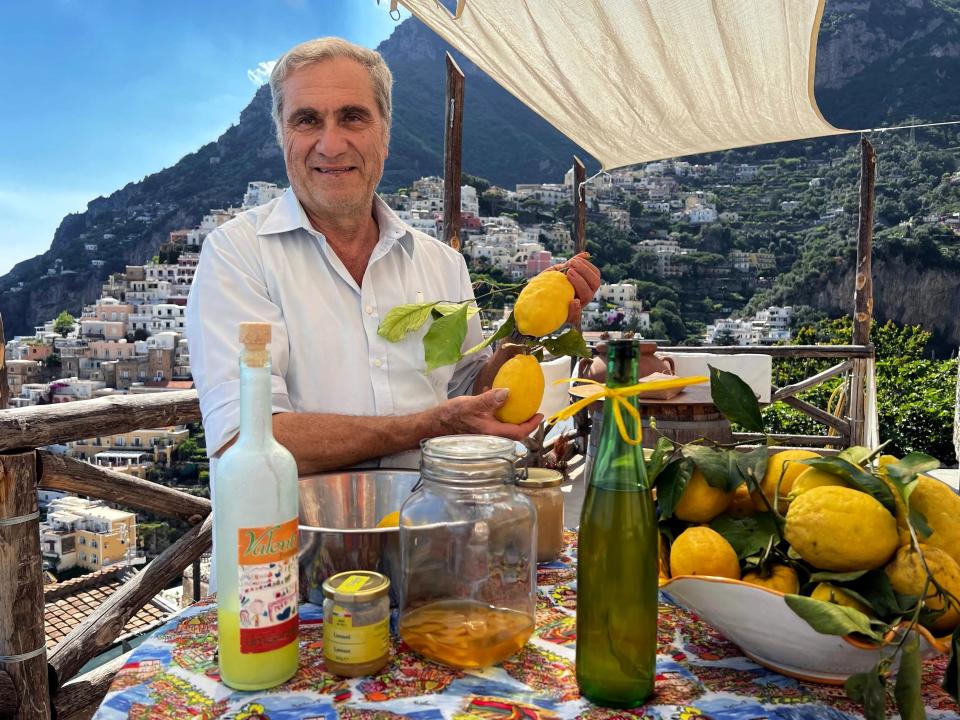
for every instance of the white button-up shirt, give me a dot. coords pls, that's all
(270, 265)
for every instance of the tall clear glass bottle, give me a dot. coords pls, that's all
(617, 560)
(255, 506)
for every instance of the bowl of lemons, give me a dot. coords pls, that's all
(822, 567)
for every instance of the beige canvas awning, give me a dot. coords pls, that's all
(638, 80)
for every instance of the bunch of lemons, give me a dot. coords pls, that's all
(541, 309)
(828, 526)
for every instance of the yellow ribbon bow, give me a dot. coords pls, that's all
(619, 396)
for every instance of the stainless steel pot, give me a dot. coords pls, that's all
(338, 517)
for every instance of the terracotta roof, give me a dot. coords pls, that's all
(67, 604)
(170, 384)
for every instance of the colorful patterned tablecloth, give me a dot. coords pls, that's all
(699, 675)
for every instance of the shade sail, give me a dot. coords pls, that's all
(633, 81)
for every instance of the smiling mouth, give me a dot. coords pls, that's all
(335, 171)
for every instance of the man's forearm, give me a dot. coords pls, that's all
(321, 442)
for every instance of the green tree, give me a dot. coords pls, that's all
(64, 323)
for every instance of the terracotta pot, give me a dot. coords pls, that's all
(650, 363)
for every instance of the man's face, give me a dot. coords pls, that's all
(334, 139)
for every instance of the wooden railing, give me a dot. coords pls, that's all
(34, 683)
(850, 428)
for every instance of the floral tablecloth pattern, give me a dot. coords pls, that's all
(699, 675)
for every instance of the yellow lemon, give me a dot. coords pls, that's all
(941, 507)
(831, 593)
(741, 504)
(543, 305)
(782, 578)
(390, 520)
(781, 465)
(840, 529)
(701, 502)
(811, 478)
(908, 577)
(522, 376)
(702, 551)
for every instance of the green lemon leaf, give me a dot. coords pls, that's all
(857, 477)
(658, 459)
(905, 470)
(920, 524)
(906, 691)
(869, 690)
(671, 482)
(404, 319)
(753, 465)
(734, 398)
(748, 535)
(875, 590)
(714, 464)
(444, 309)
(508, 326)
(569, 343)
(831, 619)
(442, 343)
(856, 454)
(951, 678)
(837, 577)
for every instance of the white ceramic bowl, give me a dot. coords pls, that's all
(759, 621)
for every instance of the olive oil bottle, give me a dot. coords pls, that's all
(617, 559)
(256, 509)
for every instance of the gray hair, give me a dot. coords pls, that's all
(328, 48)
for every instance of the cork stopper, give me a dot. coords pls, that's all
(255, 336)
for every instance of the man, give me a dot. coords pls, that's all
(323, 264)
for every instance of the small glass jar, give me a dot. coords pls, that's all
(542, 486)
(356, 622)
(468, 554)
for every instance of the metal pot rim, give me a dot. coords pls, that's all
(348, 531)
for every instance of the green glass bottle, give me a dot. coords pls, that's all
(617, 560)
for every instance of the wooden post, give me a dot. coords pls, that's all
(452, 153)
(863, 292)
(4, 388)
(21, 588)
(579, 205)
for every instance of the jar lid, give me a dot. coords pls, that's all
(469, 460)
(356, 586)
(471, 447)
(540, 478)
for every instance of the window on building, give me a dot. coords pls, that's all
(83, 541)
(83, 557)
(136, 442)
(119, 442)
(93, 544)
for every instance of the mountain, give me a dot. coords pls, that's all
(879, 61)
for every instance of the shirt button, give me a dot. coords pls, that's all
(378, 362)
(369, 309)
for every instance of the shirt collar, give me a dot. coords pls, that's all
(288, 215)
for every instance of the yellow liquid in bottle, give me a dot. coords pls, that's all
(252, 671)
(465, 634)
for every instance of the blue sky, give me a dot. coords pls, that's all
(100, 93)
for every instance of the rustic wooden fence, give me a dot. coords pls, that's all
(850, 426)
(33, 682)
